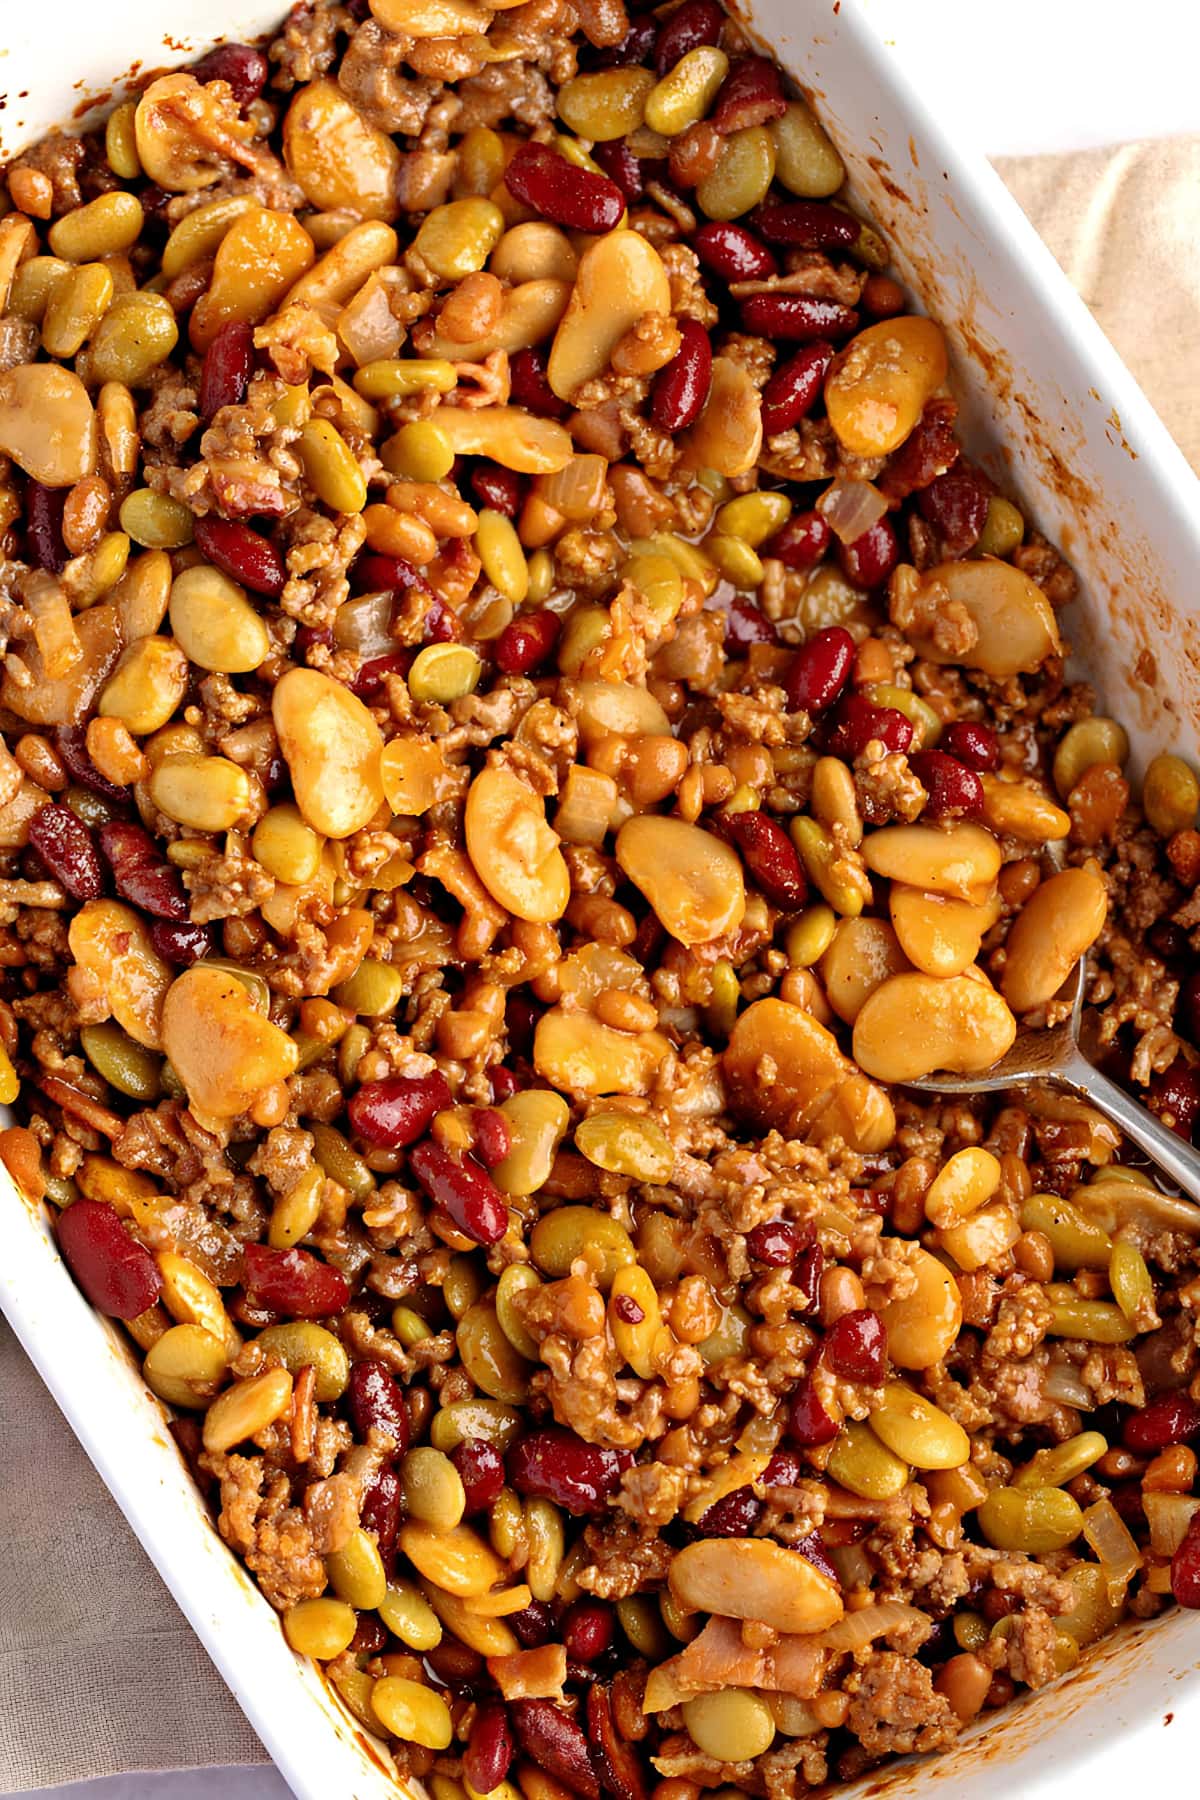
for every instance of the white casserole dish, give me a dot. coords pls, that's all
(1059, 420)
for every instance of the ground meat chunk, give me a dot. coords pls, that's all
(258, 1520)
(1030, 1646)
(894, 1709)
(307, 45)
(227, 883)
(624, 1560)
(370, 76)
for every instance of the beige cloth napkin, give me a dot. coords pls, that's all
(99, 1673)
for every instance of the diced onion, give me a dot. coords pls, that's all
(1168, 1516)
(858, 1629)
(367, 325)
(53, 626)
(850, 507)
(1065, 1387)
(365, 625)
(1115, 1550)
(576, 491)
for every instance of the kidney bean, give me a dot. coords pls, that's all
(1169, 941)
(490, 1749)
(527, 641)
(776, 1242)
(501, 489)
(801, 318)
(463, 1189)
(820, 670)
(733, 252)
(956, 504)
(813, 1550)
(622, 166)
(555, 1743)
(293, 1282)
(747, 624)
(955, 792)
(370, 677)
(370, 1636)
(1175, 1098)
(142, 874)
(481, 1470)
(697, 22)
(733, 1515)
(1185, 1568)
(806, 1276)
(554, 1464)
(750, 94)
(808, 1422)
(396, 1111)
(181, 944)
(68, 849)
(587, 1629)
(927, 452)
(560, 191)
(380, 1512)
(785, 1469)
(770, 856)
(534, 1625)
(870, 559)
(244, 555)
(881, 297)
(802, 542)
(1165, 1420)
(43, 526)
(855, 1346)
(975, 745)
(530, 386)
(118, 1275)
(794, 389)
(374, 1401)
(226, 369)
(505, 1083)
(72, 749)
(375, 573)
(493, 1139)
(616, 1760)
(859, 720)
(681, 389)
(806, 225)
(241, 65)
(635, 47)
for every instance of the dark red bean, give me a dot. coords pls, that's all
(534, 1625)
(813, 1550)
(784, 1470)
(1165, 1420)
(505, 1083)
(750, 94)
(820, 670)
(881, 297)
(800, 318)
(396, 1111)
(1187, 1007)
(870, 559)
(588, 1627)
(806, 225)
(293, 1282)
(859, 720)
(770, 856)
(490, 1749)
(68, 849)
(697, 22)
(526, 642)
(181, 944)
(501, 489)
(1175, 1098)
(733, 1515)
(556, 1465)
(555, 1743)
(560, 191)
(627, 1309)
(72, 749)
(955, 792)
(493, 1139)
(245, 555)
(375, 1402)
(463, 1189)
(454, 1666)
(635, 47)
(370, 677)
(956, 504)
(226, 370)
(794, 390)
(43, 527)
(481, 1470)
(530, 386)
(442, 623)
(118, 1275)
(142, 874)
(374, 573)
(806, 1276)
(681, 389)
(733, 253)
(1185, 1567)
(622, 166)
(747, 624)
(855, 1346)
(975, 745)
(802, 542)
(380, 1512)
(927, 452)
(808, 1422)
(241, 65)
(776, 1242)
(370, 1636)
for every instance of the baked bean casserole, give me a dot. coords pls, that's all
(522, 733)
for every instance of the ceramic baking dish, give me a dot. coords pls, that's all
(1057, 418)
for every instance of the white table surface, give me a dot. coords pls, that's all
(1102, 72)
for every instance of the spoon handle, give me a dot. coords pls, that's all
(1173, 1154)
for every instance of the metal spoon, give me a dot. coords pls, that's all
(1054, 1056)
